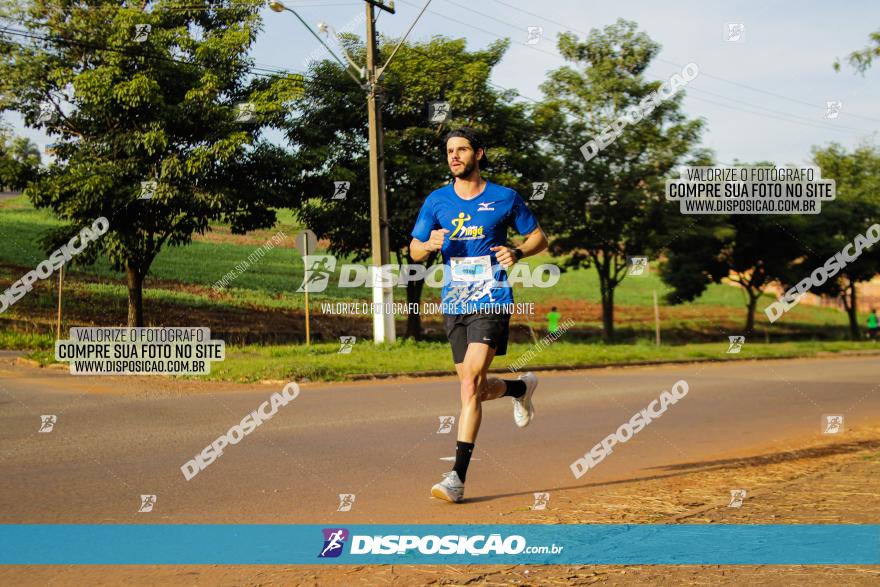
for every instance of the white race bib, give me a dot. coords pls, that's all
(471, 268)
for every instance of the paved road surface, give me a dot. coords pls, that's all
(122, 437)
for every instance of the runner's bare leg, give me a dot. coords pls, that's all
(476, 387)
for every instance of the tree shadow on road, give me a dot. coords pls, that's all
(681, 469)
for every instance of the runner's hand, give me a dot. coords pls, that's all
(505, 255)
(435, 243)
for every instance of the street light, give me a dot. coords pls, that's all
(383, 322)
(326, 28)
(277, 6)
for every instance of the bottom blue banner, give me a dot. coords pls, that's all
(614, 544)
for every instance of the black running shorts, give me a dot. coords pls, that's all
(486, 328)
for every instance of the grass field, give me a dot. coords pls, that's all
(263, 300)
(211, 256)
(324, 361)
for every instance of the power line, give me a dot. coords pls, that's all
(775, 94)
(255, 70)
(274, 73)
(806, 121)
(514, 90)
(423, 53)
(488, 32)
(246, 5)
(565, 27)
(484, 15)
(816, 123)
(533, 14)
(770, 113)
(812, 123)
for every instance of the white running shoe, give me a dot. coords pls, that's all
(450, 489)
(523, 410)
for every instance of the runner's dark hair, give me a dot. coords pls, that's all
(473, 138)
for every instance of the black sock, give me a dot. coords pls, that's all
(515, 387)
(463, 451)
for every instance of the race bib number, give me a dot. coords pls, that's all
(471, 268)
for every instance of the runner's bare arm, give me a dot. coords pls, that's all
(419, 250)
(536, 241)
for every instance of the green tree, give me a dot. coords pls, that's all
(862, 60)
(856, 207)
(750, 250)
(127, 104)
(25, 151)
(611, 206)
(19, 160)
(330, 129)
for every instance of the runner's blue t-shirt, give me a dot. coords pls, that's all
(476, 280)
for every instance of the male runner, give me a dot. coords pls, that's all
(467, 222)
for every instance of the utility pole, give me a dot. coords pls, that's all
(383, 321)
(656, 319)
(60, 282)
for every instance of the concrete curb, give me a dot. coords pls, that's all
(576, 367)
(27, 362)
(585, 366)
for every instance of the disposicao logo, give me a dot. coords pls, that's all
(405, 544)
(334, 541)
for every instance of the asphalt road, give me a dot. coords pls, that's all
(118, 438)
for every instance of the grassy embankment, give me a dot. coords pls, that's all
(263, 302)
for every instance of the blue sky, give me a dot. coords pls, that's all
(763, 98)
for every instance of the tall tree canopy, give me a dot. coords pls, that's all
(610, 207)
(862, 59)
(19, 160)
(752, 251)
(856, 207)
(147, 92)
(329, 134)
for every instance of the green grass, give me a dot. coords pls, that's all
(199, 263)
(270, 284)
(324, 362)
(11, 340)
(272, 281)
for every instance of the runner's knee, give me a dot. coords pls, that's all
(472, 385)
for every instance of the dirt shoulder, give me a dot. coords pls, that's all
(821, 481)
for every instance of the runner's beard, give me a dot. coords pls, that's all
(465, 171)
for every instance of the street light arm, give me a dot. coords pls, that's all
(411, 27)
(345, 54)
(277, 5)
